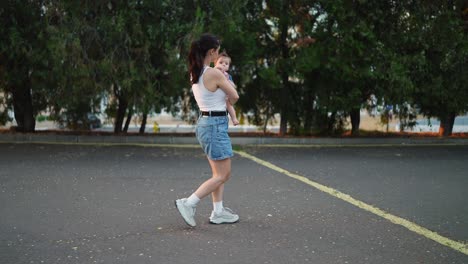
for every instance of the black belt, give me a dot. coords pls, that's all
(213, 113)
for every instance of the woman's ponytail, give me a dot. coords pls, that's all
(195, 62)
(198, 50)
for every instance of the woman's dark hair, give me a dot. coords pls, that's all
(197, 54)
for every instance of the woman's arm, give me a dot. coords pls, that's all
(215, 79)
(227, 86)
(233, 84)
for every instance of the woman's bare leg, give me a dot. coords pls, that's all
(217, 194)
(215, 185)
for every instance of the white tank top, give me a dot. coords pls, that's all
(206, 99)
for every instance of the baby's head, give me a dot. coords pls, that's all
(223, 62)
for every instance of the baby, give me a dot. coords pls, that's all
(222, 63)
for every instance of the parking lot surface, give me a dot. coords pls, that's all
(115, 204)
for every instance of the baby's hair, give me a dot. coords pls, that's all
(223, 54)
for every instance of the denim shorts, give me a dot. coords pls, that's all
(211, 132)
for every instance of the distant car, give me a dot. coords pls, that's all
(94, 121)
(91, 122)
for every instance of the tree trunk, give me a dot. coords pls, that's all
(284, 19)
(309, 112)
(355, 121)
(331, 123)
(267, 118)
(284, 120)
(143, 123)
(122, 108)
(23, 109)
(129, 119)
(446, 124)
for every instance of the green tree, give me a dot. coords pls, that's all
(272, 32)
(73, 91)
(440, 74)
(119, 50)
(23, 59)
(237, 23)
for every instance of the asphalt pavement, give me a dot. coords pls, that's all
(115, 204)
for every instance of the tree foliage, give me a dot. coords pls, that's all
(316, 64)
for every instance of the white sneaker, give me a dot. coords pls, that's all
(186, 211)
(227, 216)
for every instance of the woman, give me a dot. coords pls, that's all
(210, 88)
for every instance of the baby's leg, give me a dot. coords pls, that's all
(232, 113)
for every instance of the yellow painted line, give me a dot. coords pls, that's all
(363, 145)
(456, 245)
(103, 144)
